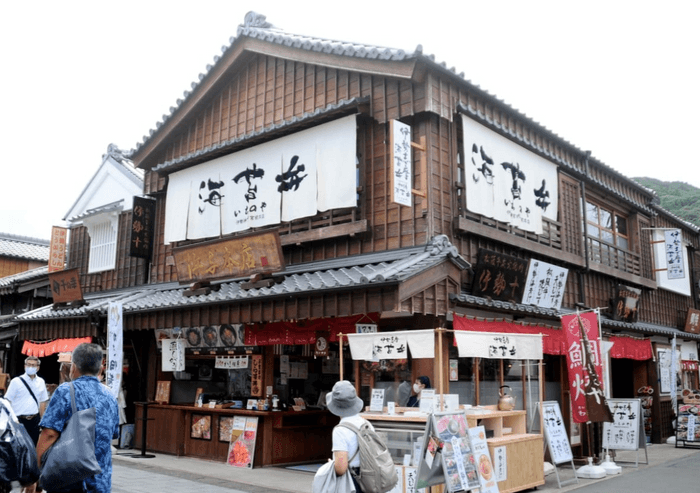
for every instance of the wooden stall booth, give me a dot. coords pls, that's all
(521, 453)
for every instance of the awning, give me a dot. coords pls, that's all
(392, 345)
(41, 349)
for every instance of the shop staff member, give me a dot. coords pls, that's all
(421, 383)
(28, 396)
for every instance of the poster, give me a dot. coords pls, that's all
(401, 172)
(555, 433)
(500, 463)
(448, 456)
(376, 402)
(663, 356)
(487, 478)
(624, 432)
(545, 284)
(241, 450)
(201, 426)
(115, 348)
(173, 358)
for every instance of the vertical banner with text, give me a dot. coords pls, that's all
(57, 248)
(576, 361)
(115, 345)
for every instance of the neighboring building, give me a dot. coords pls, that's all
(286, 145)
(21, 253)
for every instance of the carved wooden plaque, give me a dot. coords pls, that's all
(238, 257)
(65, 286)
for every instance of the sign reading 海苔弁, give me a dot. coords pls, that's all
(238, 257)
(499, 276)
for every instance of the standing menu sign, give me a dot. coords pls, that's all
(241, 450)
(557, 439)
(555, 432)
(624, 432)
(447, 454)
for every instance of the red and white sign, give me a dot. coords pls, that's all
(579, 378)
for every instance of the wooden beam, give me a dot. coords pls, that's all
(348, 229)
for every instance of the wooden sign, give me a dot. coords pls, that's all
(163, 392)
(65, 286)
(57, 250)
(555, 433)
(692, 321)
(237, 257)
(499, 276)
(624, 432)
(256, 376)
(241, 451)
(143, 219)
(626, 303)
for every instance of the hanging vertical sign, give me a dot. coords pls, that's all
(401, 169)
(142, 226)
(256, 370)
(115, 347)
(674, 254)
(57, 249)
(499, 276)
(173, 357)
(626, 303)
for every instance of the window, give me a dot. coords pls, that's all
(606, 225)
(103, 242)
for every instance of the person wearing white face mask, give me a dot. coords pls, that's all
(421, 383)
(28, 396)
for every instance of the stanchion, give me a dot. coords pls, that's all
(144, 428)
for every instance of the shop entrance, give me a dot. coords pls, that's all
(622, 378)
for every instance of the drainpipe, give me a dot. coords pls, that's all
(582, 295)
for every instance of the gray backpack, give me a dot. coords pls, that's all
(377, 470)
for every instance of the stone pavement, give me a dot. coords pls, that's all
(167, 473)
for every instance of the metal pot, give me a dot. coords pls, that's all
(505, 402)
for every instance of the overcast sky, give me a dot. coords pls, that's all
(618, 78)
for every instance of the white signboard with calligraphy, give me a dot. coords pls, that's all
(498, 345)
(507, 182)
(555, 432)
(674, 254)
(115, 347)
(265, 184)
(545, 285)
(173, 355)
(623, 432)
(401, 172)
(231, 362)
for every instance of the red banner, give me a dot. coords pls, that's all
(41, 349)
(576, 360)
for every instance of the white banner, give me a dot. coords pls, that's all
(498, 346)
(392, 345)
(545, 285)
(115, 348)
(173, 357)
(507, 182)
(285, 179)
(402, 165)
(674, 254)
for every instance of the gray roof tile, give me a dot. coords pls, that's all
(23, 247)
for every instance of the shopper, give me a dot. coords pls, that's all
(28, 396)
(344, 403)
(421, 383)
(89, 392)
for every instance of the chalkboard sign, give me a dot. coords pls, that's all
(624, 432)
(555, 432)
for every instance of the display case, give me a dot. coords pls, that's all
(688, 423)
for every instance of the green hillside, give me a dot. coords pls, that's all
(680, 199)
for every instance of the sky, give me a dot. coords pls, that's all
(618, 78)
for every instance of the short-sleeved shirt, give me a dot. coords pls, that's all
(89, 392)
(22, 401)
(345, 440)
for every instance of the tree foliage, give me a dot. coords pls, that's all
(679, 198)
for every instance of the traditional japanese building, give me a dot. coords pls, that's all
(305, 186)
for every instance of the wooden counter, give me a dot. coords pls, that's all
(284, 437)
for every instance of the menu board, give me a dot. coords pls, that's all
(447, 454)
(624, 432)
(487, 474)
(241, 450)
(555, 432)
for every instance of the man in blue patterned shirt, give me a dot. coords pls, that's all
(89, 392)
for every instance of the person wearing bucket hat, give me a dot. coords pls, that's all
(344, 403)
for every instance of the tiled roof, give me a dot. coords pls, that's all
(24, 247)
(113, 207)
(8, 283)
(343, 273)
(551, 313)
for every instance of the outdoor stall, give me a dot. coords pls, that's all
(515, 457)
